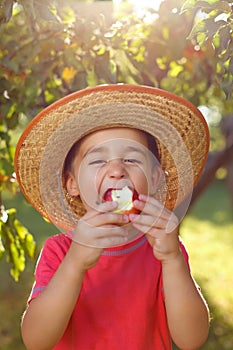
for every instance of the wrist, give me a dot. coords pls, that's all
(84, 257)
(173, 259)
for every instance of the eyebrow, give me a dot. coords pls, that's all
(95, 150)
(104, 149)
(135, 149)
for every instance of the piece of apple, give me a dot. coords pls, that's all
(125, 197)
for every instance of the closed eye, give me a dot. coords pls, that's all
(132, 161)
(97, 161)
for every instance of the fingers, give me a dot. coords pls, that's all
(155, 218)
(160, 226)
(101, 208)
(105, 217)
(100, 236)
(101, 228)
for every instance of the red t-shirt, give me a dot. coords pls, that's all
(121, 303)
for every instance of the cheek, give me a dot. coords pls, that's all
(141, 180)
(88, 186)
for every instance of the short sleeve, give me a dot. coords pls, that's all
(51, 256)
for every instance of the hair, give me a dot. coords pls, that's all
(67, 168)
(152, 146)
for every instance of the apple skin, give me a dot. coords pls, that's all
(131, 196)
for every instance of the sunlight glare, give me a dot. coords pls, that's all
(141, 7)
(142, 4)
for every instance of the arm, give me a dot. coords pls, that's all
(187, 312)
(47, 316)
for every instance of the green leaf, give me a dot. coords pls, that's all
(201, 38)
(18, 267)
(175, 69)
(213, 26)
(193, 4)
(226, 86)
(20, 229)
(223, 6)
(6, 166)
(16, 242)
(207, 3)
(91, 77)
(198, 27)
(30, 245)
(125, 65)
(230, 67)
(207, 6)
(224, 37)
(18, 260)
(11, 214)
(2, 249)
(189, 4)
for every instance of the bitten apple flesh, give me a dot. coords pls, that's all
(125, 197)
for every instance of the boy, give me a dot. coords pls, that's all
(113, 280)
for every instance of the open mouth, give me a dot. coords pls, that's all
(124, 197)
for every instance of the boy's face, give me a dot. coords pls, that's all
(112, 158)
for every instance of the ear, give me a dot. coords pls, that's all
(71, 185)
(157, 177)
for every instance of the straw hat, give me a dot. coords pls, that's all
(178, 127)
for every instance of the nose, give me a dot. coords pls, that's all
(116, 169)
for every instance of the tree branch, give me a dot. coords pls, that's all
(215, 161)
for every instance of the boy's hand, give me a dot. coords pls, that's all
(97, 229)
(160, 226)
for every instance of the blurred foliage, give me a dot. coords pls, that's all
(18, 242)
(213, 27)
(49, 49)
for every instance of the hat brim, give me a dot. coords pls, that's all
(178, 127)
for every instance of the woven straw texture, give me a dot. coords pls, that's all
(179, 128)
